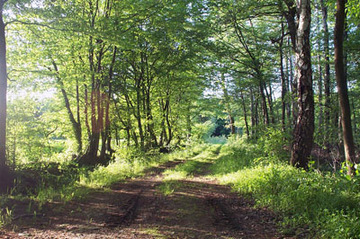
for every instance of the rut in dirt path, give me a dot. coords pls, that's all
(195, 207)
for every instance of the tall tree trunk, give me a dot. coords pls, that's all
(290, 19)
(6, 179)
(76, 124)
(304, 129)
(3, 89)
(320, 125)
(263, 103)
(245, 114)
(292, 28)
(288, 79)
(106, 134)
(293, 92)
(169, 127)
(90, 157)
(188, 120)
(354, 116)
(149, 118)
(78, 130)
(252, 111)
(227, 103)
(86, 111)
(138, 114)
(163, 135)
(269, 99)
(327, 82)
(320, 89)
(283, 80)
(341, 81)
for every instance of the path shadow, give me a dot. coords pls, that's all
(137, 208)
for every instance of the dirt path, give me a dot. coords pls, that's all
(196, 207)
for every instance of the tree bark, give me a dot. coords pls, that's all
(106, 133)
(263, 101)
(341, 81)
(138, 113)
(252, 112)
(320, 89)
(304, 129)
(227, 103)
(76, 124)
(327, 82)
(293, 86)
(269, 99)
(170, 133)
(6, 178)
(245, 114)
(3, 89)
(283, 80)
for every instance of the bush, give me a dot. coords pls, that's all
(234, 156)
(202, 131)
(275, 144)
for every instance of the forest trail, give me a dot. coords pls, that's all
(153, 206)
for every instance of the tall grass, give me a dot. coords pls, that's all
(312, 204)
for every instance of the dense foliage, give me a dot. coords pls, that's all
(97, 89)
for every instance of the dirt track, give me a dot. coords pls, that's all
(198, 208)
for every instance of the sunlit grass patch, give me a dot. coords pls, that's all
(172, 174)
(168, 187)
(153, 232)
(5, 216)
(231, 158)
(208, 153)
(187, 169)
(216, 140)
(65, 193)
(65, 181)
(114, 172)
(319, 205)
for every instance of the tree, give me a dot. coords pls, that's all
(341, 81)
(244, 41)
(304, 129)
(5, 180)
(327, 68)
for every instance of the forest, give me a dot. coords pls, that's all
(154, 108)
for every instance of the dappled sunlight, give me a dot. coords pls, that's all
(179, 119)
(156, 205)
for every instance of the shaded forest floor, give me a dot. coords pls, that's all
(160, 204)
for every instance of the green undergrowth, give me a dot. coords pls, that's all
(197, 158)
(43, 182)
(194, 164)
(168, 187)
(311, 204)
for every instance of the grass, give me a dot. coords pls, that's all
(168, 187)
(42, 182)
(201, 155)
(216, 140)
(5, 216)
(196, 158)
(153, 232)
(312, 204)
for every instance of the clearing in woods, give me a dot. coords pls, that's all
(176, 200)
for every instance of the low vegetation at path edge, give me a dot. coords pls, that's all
(62, 182)
(312, 204)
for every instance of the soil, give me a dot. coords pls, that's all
(198, 207)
